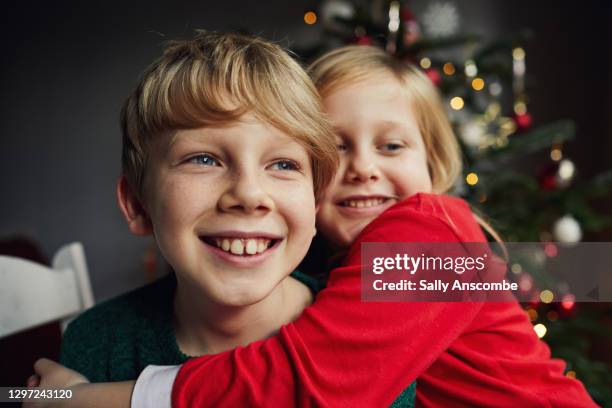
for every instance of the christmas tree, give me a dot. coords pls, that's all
(484, 83)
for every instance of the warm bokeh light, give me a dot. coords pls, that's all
(478, 84)
(556, 154)
(425, 63)
(546, 296)
(518, 54)
(456, 103)
(533, 314)
(520, 108)
(470, 68)
(471, 179)
(540, 330)
(310, 17)
(448, 68)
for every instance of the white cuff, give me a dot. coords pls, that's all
(154, 387)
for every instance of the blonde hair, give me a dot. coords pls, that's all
(214, 79)
(355, 63)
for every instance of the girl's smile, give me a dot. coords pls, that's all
(382, 156)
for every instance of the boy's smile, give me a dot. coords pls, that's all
(232, 208)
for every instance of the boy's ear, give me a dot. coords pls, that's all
(137, 219)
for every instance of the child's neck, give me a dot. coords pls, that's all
(204, 327)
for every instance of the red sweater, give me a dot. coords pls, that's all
(344, 352)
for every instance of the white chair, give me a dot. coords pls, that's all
(32, 294)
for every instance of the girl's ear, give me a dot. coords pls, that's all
(136, 217)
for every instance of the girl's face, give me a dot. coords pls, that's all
(382, 156)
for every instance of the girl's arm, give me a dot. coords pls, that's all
(343, 351)
(51, 375)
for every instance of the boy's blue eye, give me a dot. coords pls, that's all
(285, 165)
(204, 160)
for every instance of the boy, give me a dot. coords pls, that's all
(224, 150)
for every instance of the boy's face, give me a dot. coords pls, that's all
(382, 156)
(232, 208)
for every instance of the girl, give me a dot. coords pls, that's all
(397, 154)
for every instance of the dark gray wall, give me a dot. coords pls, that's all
(67, 67)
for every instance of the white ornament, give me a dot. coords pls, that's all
(441, 20)
(336, 8)
(567, 229)
(472, 134)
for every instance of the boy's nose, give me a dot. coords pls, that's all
(245, 194)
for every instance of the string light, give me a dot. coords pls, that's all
(478, 84)
(457, 103)
(495, 89)
(520, 108)
(556, 154)
(471, 179)
(448, 68)
(570, 374)
(540, 330)
(425, 63)
(470, 68)
(566, 169)
(533, 314)
(550, 250)
(518, 54)
(568, 301)
(516, 268)
(546, 296)
(310, 17)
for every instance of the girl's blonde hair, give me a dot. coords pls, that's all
(355, 63)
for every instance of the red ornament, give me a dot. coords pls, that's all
(548, 177)
(406, 15)
(523, 121)
(363, 40)
(434, 76)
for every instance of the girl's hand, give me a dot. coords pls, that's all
(54, 375)
(50, 374)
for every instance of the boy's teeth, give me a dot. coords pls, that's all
(364, 203)
(238, 246)
(225, 245)
(251, 246)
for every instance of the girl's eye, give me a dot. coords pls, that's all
(285, 165)
(341, 147)
(204, 160)
(392, 147)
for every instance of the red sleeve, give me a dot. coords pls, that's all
(341, 351)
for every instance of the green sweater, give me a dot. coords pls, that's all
(117, 339)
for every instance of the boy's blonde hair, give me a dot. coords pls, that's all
(355, 63)
(214, 79)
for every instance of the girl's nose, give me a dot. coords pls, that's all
(361, 168)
